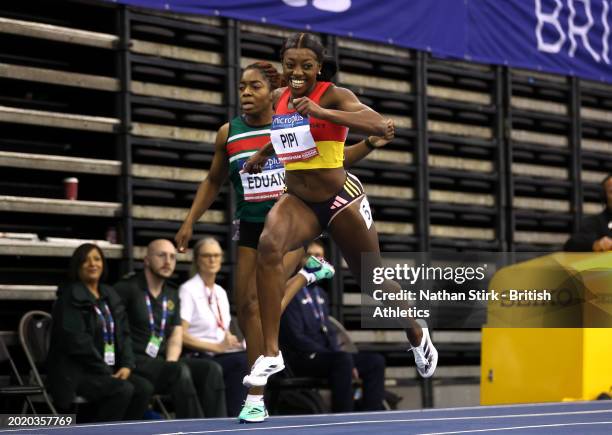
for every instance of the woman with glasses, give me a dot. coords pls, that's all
(205, 314)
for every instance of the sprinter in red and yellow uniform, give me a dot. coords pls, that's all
(255, 195)
(308, 131)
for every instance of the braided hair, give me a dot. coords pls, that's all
(269, 73)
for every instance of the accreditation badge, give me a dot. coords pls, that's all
(109, 354)
(291, 137)
(153, 346)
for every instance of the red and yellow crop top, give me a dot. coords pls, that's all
(328, 136)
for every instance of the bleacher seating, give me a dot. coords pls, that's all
(59, 118)
(541, 149)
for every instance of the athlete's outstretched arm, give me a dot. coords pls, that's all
(254, 163)
(341, 106)
(207, 191)
(358, 151)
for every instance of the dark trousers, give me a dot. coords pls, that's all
(114, 399)
(173, 378)
(208, 380)
(371, 368)
(235, 367)
(337, 367)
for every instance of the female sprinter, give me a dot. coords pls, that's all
(256, 194)
(309, 128)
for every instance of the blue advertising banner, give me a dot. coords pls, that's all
(570, 37)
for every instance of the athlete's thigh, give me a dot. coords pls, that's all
(354, 234)
(290, 223)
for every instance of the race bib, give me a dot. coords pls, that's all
(109, 354)
(366, 213)
(153, 346)
(292, 139)
(267, 185)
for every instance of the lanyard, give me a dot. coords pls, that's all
(218, 315)
(317, 308)
(109, 332)
(162, 326)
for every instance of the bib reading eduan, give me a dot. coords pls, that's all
(266, 185)
(292, 139)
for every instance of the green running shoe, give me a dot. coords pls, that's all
(253, 413)
(317, 269)
(326, 271)
(313, 263)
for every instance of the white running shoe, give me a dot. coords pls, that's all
(425, 356)
(264, 367)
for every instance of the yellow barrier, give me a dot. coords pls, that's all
(540, 363)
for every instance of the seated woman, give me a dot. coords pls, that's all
(90, 353)
(205, 314)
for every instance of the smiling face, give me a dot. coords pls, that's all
(300, 68)
(92, 267)
(255, 93)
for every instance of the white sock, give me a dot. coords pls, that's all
(254, 398)
(310, 277)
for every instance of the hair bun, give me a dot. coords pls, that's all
(329, 68)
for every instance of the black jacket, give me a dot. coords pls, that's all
(301, 333)
(77, 343)
(132, 291)
(592, 228)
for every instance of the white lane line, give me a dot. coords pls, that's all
(408, 420)
(518, 427)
